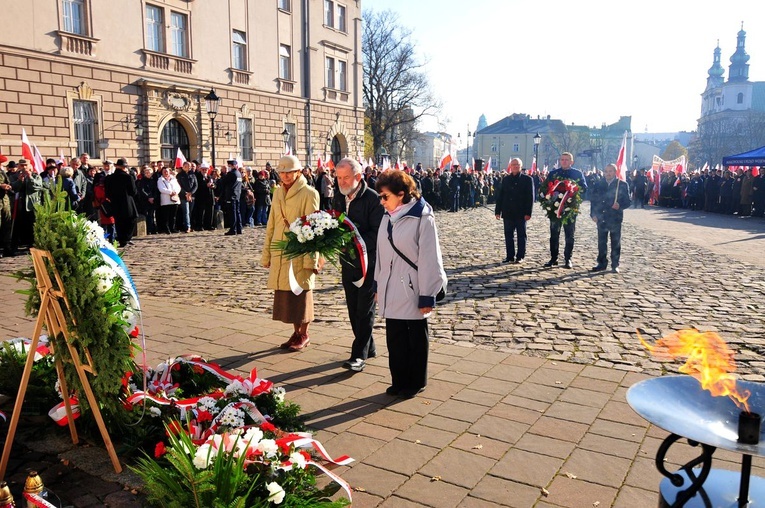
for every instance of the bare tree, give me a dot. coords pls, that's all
(724, 135)
(396, 90)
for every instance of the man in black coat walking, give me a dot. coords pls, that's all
(610, 197)
(121, 192)
(361, 205)
(232, 193)
(515, 201)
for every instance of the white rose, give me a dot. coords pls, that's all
(569, 200)
(203, 456)
(298, 460)
(268, 447)
(275, 492)
(155, 412)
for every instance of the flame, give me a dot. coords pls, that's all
(710, 361)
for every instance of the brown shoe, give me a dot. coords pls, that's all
(301, 343)
(293, 338)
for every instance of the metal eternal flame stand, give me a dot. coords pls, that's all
(679, 405)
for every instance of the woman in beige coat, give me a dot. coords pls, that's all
(292, 199)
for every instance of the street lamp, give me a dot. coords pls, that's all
(634, 162)
(537, 141)
(286, 136)
(212, 101)
(467, 155)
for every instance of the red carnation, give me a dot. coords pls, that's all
(305, 454)
(159, 450)
(267, 427)
(204, 416)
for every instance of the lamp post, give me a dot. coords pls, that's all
(467, 155)
(286, 136)
(634, 162)
(537, 141)
(212, 101)
(138, 134)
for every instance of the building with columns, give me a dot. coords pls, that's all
(129, 78)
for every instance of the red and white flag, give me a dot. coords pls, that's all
(487, 168)
(446, 161)
(319, 163)
(38, 159)
(28, 152)
(397, 166)
(621, 160)
(533, 166)
(330, 163)
(508, 164)
(755, 171)
(180, 160)
(386, 164)
(287, 149)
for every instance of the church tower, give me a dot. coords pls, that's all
(715, 74)
(738, 71)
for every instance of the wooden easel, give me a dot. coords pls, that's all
(52, 316)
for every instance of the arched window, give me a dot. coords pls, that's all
(740, 98)
(173, 137)
(336, 153)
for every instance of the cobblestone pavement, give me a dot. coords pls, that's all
(669, 281)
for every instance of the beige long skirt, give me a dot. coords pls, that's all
(293, 309)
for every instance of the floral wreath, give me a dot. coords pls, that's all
(560, 199)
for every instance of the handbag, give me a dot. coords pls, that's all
(106, 208)
(441, 292)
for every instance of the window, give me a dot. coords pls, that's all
(342, 82)
(239, 50)
(245, 138)
(154, 33)
(740, 98)
(329, 13)
(292, 129)
(285, 62)
(85, 121)
(74, 16)
(284, 5)
(516, 147)
(173, 137)
(178, 35)
(341, 18)
(330, 68)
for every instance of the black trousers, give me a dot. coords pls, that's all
(407, 341)
(361, 312)
(124, 227)
(604, 230)
(166, 218)
(511, 226)
(569, 230)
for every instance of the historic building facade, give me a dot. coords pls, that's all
(732, 112)
(129, 78)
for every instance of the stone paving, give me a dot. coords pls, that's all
(525, 405)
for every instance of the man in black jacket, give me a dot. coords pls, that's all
(188, 182)
(121, 191)
(232, 193)
(514, 204)
(362, 206)
(610, 197)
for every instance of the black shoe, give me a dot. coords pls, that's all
(615, 269)
(569, 265)
(356, 365)
(410, 393)
(372, 354)
(229, 233)
(519, 261)
(551, 263)
(392, 390)
(507, 260)
(598, 268)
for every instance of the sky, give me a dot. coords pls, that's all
(586, 62)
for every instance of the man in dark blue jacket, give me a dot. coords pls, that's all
(514, 203)
(610, 197)
(361, 205)
(564, 171)
(232, 193)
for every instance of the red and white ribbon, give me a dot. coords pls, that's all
(36, 500)
(361, 249)
(58, 413)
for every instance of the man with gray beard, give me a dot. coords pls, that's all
(361, 204)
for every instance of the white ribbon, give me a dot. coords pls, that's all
(294, 286)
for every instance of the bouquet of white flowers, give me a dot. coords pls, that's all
(325, 233)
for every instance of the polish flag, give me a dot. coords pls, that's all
(38, 159)
(533, 166)
(445, 161)
(287, 149)
(28, 152)
(386, 164)
(179, 159)
(755, 171)
(508, 165)
(330, 163)
(397, 165)
(487, 168)
(621, 164)
(319, 163)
